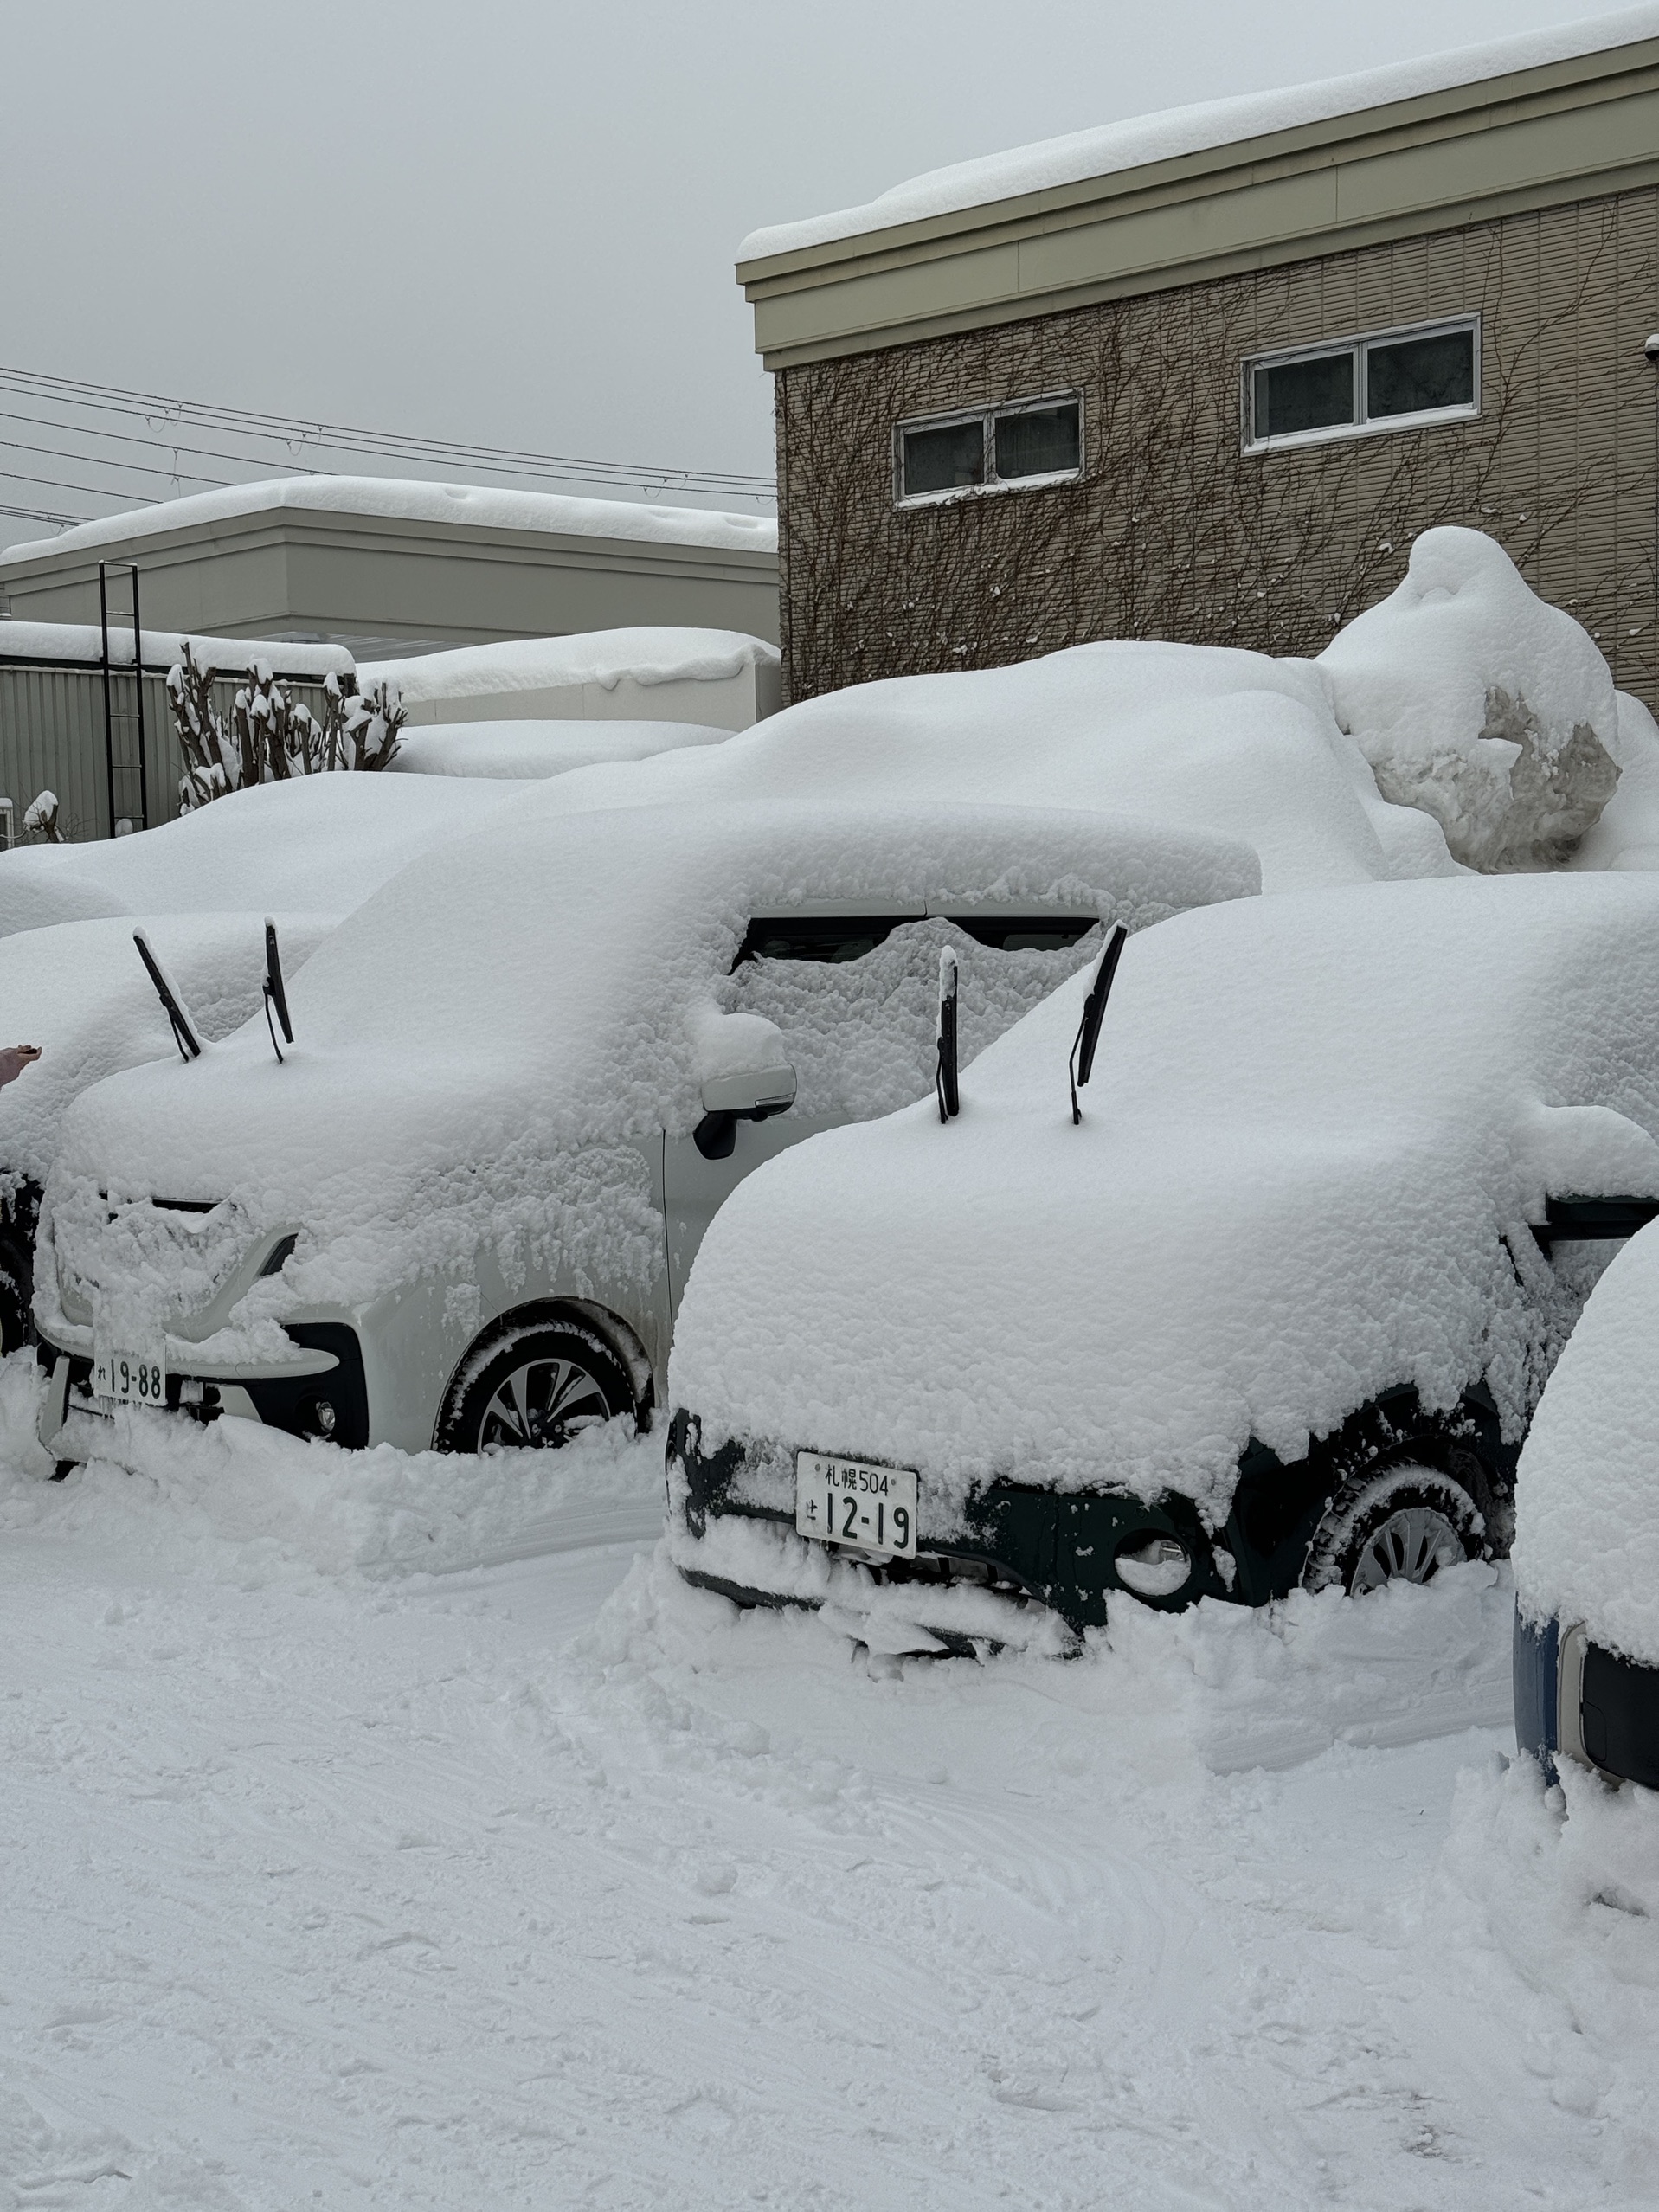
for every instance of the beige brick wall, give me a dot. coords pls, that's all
(1173, 531)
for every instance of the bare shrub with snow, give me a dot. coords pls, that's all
(1478, 702)
(270, 737)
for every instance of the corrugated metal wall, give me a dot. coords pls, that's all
(52, 739)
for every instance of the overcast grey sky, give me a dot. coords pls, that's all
(515, 222)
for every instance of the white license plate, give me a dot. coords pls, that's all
(130, 1378)
(850, 1501)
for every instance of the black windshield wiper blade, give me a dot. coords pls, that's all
(275, 993)
(189, 1045)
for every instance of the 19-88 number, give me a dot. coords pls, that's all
(141, 1381)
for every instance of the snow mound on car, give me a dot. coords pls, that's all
(1203, 737)
(1587, 1497)
(1480, 704)
(317, 843)
(529, 750)
(1318, 1129)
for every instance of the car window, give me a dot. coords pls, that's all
(831, 937)
(859, 1029)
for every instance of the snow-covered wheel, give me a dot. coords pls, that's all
(1394, 1524)
(535, 1385)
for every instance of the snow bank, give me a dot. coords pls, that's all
(1480, 704)
(1627, 835)
(530, 750)
(1110, 148)
(418, 1116)
(399, 499)
(319, 844)
(252, 1505)
(1231, 742)
(81, 643)
(1318, 1127)
(80, 992)
(1587, 1500)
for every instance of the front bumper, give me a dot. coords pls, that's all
(323, 1393)
(1015, 1548)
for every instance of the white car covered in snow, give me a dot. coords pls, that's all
(460, 1207)
(1586, 1551)
(1276, 1311)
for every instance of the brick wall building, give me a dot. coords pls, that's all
(1214, 394)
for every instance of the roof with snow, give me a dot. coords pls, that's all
(1543, 118)
(483, 506)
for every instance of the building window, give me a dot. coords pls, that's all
(1016, 447)
(1386, 379)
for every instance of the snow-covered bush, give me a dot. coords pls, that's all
(1480, 704)
(269, 737)
(40, 819)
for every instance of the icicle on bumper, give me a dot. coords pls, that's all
(1480, 704)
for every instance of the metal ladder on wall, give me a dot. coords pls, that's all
(124, 749)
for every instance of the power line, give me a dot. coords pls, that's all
(247, 423)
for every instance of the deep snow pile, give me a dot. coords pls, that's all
(1477, 702)
(1587, 1496)
(79, 991)
(318, 845)
(1318, 1127)
(415, 1121)
(532, 749)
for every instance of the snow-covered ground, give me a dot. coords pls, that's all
(390, 1831)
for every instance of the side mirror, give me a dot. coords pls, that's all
(747, 1095)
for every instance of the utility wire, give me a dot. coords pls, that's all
(156, 409)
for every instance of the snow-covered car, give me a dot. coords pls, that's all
(314, 844)
(1587, 1550)
(460, 1209)
(1275, 1311)
(78, 990)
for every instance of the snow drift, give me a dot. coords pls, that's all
(1477, 701)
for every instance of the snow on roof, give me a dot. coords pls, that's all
(1132, 143)
(535, 749)
(659, 654)
(1587, 1496)
(484, 507)
(1313, 1121)
(82, 642)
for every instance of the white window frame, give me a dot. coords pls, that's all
(1359, 345)
(986, 417)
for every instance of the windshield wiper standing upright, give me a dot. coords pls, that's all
(189, 1045)
(274, 994)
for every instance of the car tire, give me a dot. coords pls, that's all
(1392, 1524)
(534, 1385)
(16, 1295)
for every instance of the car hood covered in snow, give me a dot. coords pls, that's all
(1317, 1129)
(549, 986)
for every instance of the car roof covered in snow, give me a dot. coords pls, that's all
(1586, 1546)
(551, 983)
(317, 843)
(1233, 743)
(1317, 1128)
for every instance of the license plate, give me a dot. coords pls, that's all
(849, 1502)
(130, 1378)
